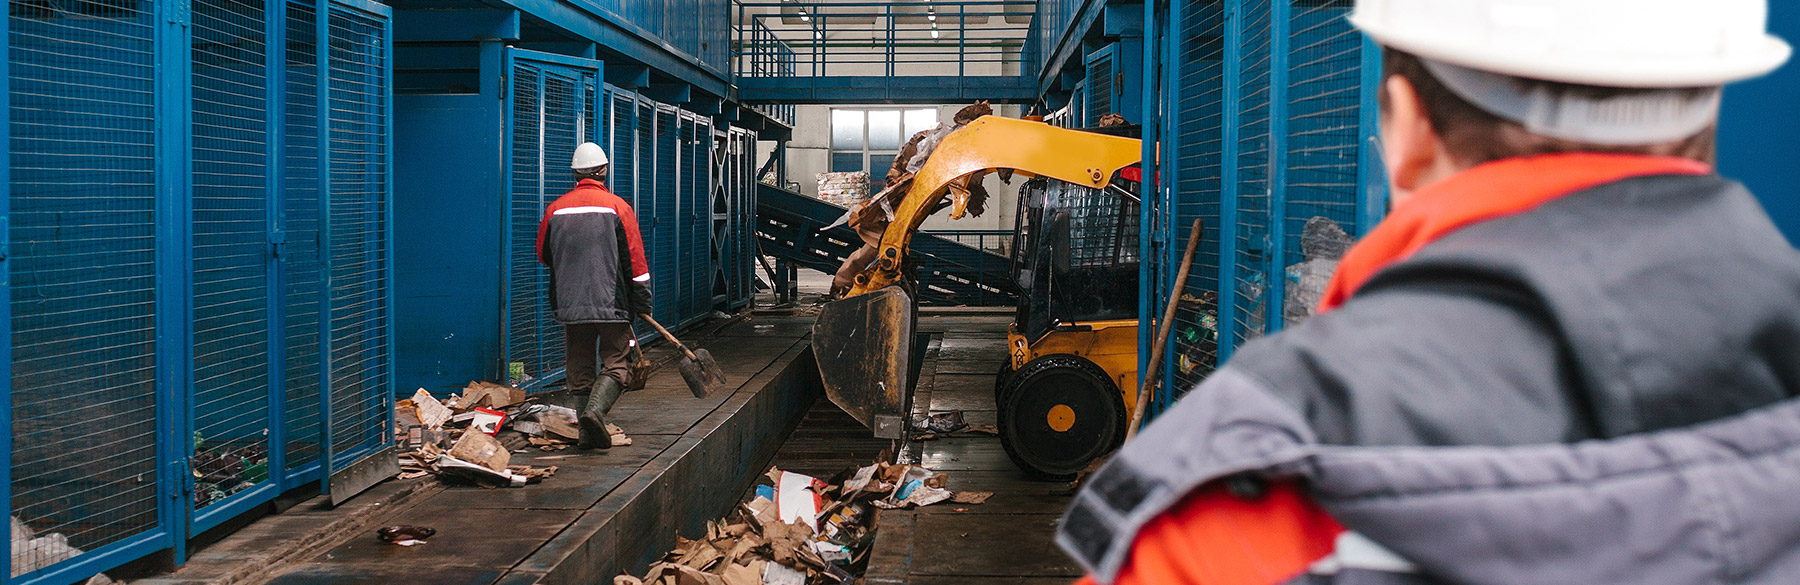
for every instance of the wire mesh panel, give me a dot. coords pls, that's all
(696, 271)
(664, 243)
(1324, 134)
(526, 278)
(1099, 87)
(1251, 212)
(83, 279)
(553, 111)
(1196, 143)
(230, 255)
(360, 339)
(623, 132)
(302, 261)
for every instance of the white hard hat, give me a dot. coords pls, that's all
(1610, 43)
(588, 156)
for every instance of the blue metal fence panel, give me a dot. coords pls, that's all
(1246, 319)
(621, 149)
(82, 265)
(361, 385)
(302, 261)
(231, 382)
(1100, 85)
(1194, 67)
(1325, 134)
(696, 249)
(1272, 126)
(664, 242)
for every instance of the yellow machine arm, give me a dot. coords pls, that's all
(864, 343)
(993, 143)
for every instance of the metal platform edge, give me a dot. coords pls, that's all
(698, 478)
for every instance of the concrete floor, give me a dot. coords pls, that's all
(1006, 540)
(604, 510)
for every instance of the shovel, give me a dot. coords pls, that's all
(698, 369)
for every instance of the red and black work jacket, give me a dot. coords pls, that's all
(589, 238)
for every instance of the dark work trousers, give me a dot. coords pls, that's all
(611, 341)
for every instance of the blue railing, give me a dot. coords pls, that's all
(810, 39)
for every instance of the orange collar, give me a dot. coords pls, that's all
(1490, 191)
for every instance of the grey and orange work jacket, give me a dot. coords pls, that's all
(1575, 368)
(589, 238)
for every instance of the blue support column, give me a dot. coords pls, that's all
(1278, 156)
(275, 58)
(1152, 190)
(322, 32)
(6, 361)
(1371, 174)
(1228, 178)
(174, 272)
(1166, 54)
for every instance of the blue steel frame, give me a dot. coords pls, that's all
(175, 285)
(1162, 98)
(510, 62)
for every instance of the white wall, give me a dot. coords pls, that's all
(809, 154)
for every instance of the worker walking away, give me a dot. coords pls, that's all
(1570, 354)
(598, 280)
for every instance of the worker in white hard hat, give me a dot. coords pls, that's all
(1570, 353)
(599, 279)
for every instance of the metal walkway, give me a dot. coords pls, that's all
(950, 273)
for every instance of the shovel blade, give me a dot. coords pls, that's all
(863, 345)
(702, 374)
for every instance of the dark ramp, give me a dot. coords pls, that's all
(950, 273)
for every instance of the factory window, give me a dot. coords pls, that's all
(864, 139)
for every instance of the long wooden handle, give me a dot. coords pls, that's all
(669, 336)
(1147, 378)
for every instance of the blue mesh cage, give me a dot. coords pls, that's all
(361, 393)
(1196, 143)
(623, 133)
(1100, 86)
(664, 241)
(1326, 134)
(1250, 190)
(82, 263)
(553, 110)
(302, 263)
(1272, 114)
(696, 214)
(230, 254)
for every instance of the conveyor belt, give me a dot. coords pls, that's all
(950, 273)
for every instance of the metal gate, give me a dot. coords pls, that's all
(553, 105)
(1270, 124)
(166, 356)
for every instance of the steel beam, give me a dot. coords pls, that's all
(888, 90)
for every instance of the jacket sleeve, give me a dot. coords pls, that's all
(637, 268)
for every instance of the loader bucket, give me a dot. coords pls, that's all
(864, 348)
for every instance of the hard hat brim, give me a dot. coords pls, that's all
(1768, 56)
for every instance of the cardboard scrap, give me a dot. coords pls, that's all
(971, 497)
(491, 395)
(483, 450)
(431, 413)
(751, 574)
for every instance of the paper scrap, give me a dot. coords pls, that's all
(795, 500)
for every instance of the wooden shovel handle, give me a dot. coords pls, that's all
(1147, 379)
(669, 336)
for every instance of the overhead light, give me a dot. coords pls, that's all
(934, 32)
(931, 14)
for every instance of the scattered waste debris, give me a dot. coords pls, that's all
(32, 550)
(459, 439)
(943, 422)
(405, 534)
(796, 529)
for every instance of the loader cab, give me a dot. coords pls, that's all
(1063, 395)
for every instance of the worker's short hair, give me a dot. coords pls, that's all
(1474, 136)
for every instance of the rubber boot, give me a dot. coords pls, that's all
(593, 416)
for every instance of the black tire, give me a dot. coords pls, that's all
(1070, 391)
(1001, 379)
